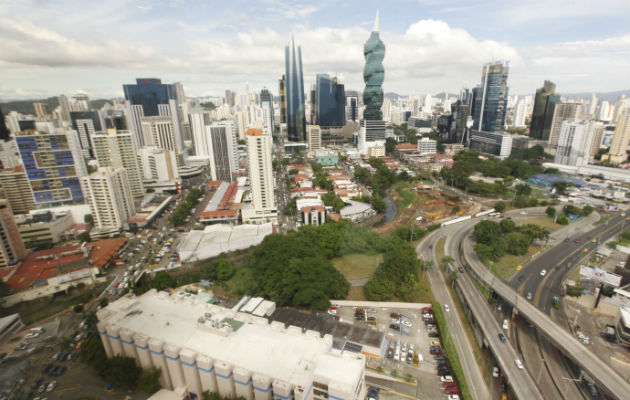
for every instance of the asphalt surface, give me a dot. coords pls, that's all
(599, 370)
(473, 375)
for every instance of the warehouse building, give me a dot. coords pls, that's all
(199, 347)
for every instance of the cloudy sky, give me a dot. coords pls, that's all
(50, 47)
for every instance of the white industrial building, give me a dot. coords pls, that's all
(199, 347)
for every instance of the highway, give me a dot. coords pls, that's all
(601, 372)
(474, 378)
(521, 382)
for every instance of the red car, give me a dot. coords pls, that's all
(448, 384)
(452, 390)
(394, 315)
(359, 310)
(427, 310)
(436, 352)
(578, 240)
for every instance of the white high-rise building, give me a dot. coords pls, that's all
(519, 113)
(158, 165)
(117, 149)
(109, 195)
(618, 148)
(574, 143)
(605, 112)
(259, 159)
(620, 107)
(160, 132)
(199, 121)
(563, 112)
(134, 115)
(314, 138)
(427, 106)
(223, 150)
(593, 105)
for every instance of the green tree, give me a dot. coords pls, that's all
(499, 206)
(225, 270)
(122, 372)
(551, 211)
(523, 189)
(456, 209)
(103, 302)
(378, 203)
(78, 308)
(149, 380)
(84, 237)
(587, 210)
(88, 219)
(516, 243)
(163, 281)
(562, 219)
(291, 207)
(390, 145)
(561, 186)
(447, 261)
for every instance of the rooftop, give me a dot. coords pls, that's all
(290, 355)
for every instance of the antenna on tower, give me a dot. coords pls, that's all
(376, 22)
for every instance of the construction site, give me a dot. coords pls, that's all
(427, 205)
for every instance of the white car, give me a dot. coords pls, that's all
(523, 212)
(51, 386)
(505, 324)
(453, 397)
(543, 272)
(407, 323)
(446, 308)
(395, 321)
(519, 364)
(427, 315)
(495, 371)
(446, 378)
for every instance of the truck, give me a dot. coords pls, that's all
(456, 220)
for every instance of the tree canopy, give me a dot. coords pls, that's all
(495, 239)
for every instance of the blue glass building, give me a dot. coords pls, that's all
(330, 99)
(149, 93)
(53, 165)
(490, 98)
(373, 75)
(294, 94)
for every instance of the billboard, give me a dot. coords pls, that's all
(600, 275)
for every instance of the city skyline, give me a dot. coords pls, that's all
(433, 48)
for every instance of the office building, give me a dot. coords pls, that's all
(427, 146)
(223, 150)
(41, 110)
(199, 120)
(314, 138)
(158, 165)
(86, 123)
(563, 112)
(294, 94)
(282, 85)
(54, 164)
(543, 111)
(159, 131)
(233, 353)
(490, 98)
(592, 110)
(494, 143)
(117, 149)
(520, 110)
(330, 99)
(574, 143)
(114, 119)
(352, 107)
(313, 215)
(259, 163)
(618, 153)
(12, 248)
(16, 189)
(266, 101)
(64, 107)
(109, 195)
(597, 131)
(372, 126)
(149, 97)
(373, 74)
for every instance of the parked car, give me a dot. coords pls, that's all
(434, 334)
(452, 390)
(395, 327)
(446, 378)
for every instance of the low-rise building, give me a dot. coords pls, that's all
(427, 146)
(200, 346)
(43, 230)
(495, 143)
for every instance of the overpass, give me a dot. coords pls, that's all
(601, 372)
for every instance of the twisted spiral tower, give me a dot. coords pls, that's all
(373, 75)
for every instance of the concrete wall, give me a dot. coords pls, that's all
(205, 366)
(188, 360)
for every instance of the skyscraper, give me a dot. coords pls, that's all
(373, 75)
(11, 245)
(149, 97)
(86, 123)
(352, 106)
(160, 132)
(491, 98)
(223, 154)
(562, 112)
(109, 196)
(259, 163)
(372, 126)
(618, 148)
(64, 106)
(282, 84)
(574, 143)
(118, 149)
(294, 88)
(330, 101)
(54, 164)
(266, 102)
(542, 114)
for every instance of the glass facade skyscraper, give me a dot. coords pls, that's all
(490, 98)
(294, 94)
(542, 114)
(149, 93)
(373, 75)
(330, 101)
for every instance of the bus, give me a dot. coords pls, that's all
(623, 327)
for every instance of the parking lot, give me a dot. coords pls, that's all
(415, 371)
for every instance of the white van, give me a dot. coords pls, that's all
(505, 324)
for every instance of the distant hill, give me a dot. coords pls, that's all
(441, 95)
(26, 106)
(392, 95)
(602, 96)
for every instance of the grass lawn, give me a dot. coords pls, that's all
(424, 292)
(406, 193)
(357, 265)
(506, 266)
(543, 222)
(356, 293)
(439, 252)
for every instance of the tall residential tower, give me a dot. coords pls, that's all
(294, 94)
